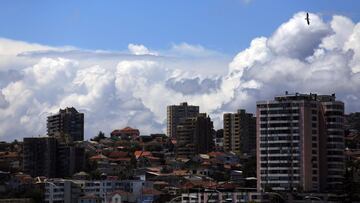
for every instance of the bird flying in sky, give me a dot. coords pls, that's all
(307, 18)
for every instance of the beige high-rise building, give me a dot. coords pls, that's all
(195, 135)
(67, 122)
(240, 132)
(177, 113)
(300, 143)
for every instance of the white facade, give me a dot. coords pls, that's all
(65, 190)
(218, 196)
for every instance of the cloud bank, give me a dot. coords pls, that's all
(133, 87)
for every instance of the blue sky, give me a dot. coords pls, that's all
(224, 25)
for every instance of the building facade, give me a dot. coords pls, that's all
(61, 190)
(47, 156)
(71, 191)
(300, 143)
(67, 122)
(219, 140)
(70, 158)
(224, 196)
(126, 133)
(39, 157)
(240, 132)
(195, 136)
(176, 113)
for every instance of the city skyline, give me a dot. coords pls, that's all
(118, 87)
(180, 101)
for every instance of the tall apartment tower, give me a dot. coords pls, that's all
(195, 135)
(48, 156)
(40, 156)
(300, 143)
(67, 122)
(177, 113)
(240, 132)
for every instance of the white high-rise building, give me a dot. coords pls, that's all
(300, 143)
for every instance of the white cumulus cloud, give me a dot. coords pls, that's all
(139, 49)
(114, 89)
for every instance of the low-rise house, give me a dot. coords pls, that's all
(119, 196)
(149, 195)
(126, 133)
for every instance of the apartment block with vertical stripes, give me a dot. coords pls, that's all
(300, 143)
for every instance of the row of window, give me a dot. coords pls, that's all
(276, 125)
(279, 165)
(280, 158)
(285, 111)
(335, 166)
(335, 132)
(265, 178)
(334, 126)
(286, 131)
(286, 151)
(282, 185)
(334, 106)
(335, 153)
(279, 171)
(279, 118)
(278, 144)
(334, 113)
(335, 119)
(335, 146)
(279, 138)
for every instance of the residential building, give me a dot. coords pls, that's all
(224, 196)
(39, 157)
(90, 199)
(126, 133)
(176, 113)
(70, 158)
(219, 140)
(240, 132)
(61, 190)
(300, 143)
(47, 156)
(195, 136)
(67, 122)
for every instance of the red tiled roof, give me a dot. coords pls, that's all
(112, 178)
(180, 172)
(9, 155)
(215, 154)
(142, 153)
(161, 183)
(150, 191)
(154, 169)
(98, 157)
(126, 159)
(129, 129)
(117, 154)
(199, 183)
(120, 192)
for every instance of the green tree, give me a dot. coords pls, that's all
(99, 137)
